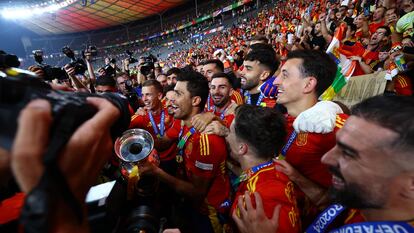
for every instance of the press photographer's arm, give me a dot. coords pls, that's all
(80, 162)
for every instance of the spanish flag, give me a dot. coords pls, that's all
(345, 69)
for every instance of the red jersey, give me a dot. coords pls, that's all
(144, 122)
(403, 85)
(205, 156)
(306, 151)
(237, 98)
(226, 118)
(305, 155)
(374, 26)
(275, 188)
(10, 208)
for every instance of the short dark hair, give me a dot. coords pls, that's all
(387, 29)
(173, 70)
(391, 112)
(222, 75)
(197, 85)
(105, 80)
(260, 46)
(269, 132)
(344, 6)
(260, 37)
(217, 62)
(168, 88)
(317, 64)
(154, 83)
(352, 26)
(266, 57)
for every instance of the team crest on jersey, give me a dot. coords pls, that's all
(289, 191)
(293, 217)
(302, 139)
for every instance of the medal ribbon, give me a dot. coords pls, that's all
(223, 111)
(322, 222)
(286, 147)
(249, 98)
(183, 140)
(367, 227)
(208, 102)
(327, 216)
(159, 133)
(247, 174)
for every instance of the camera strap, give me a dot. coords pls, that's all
(37, 211)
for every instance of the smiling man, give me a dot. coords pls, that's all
(201, 158)
(376, 173)
(220, 91)
(156, 119)
(211, 68)
(304, 77)
(259, 66)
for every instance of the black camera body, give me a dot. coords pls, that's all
(78, 63)
(92, 50)
(130, 57)
(16, 91)
(147, 65)
(131, 95)
(50, 72)
(8, 60)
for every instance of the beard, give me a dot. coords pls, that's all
(249, 84)
(354, 195)
(223, 101)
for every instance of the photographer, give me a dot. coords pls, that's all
(147, 67)
(78, 85)
(89, 53)
(80, 162)
(126, 88)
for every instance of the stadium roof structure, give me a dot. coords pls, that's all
(74, 16)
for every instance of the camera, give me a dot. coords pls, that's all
(108, 70)
(131, 95)
(69, 110)
(77, 63)
(92, 50)
(50, 72)
(8, 60)
(147, 65)
(130, 57)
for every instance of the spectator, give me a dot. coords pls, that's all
(106, 83)
(172, 75)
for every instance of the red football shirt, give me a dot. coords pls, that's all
(275, 188)
(144, 122)
(227, 119)
(305, 155)
(374, 26)
(205, 156)
(306, 152)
